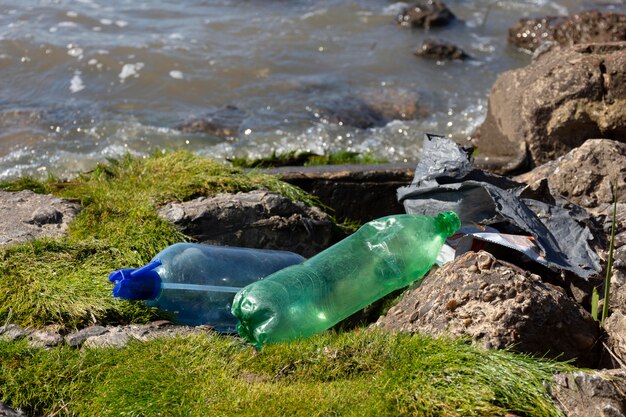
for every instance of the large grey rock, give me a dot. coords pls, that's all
(557, 102)
(256, 219)
(584, 27)
(497, 305)
(593, 394)
(25, 216)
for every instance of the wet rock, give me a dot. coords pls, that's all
(372, 108)
(223, 123)
(43, 339)
(6, 411)
(440, 50)
(584, 27)
(78, 338)
(26, 216)
(256, 219)
(425, 14)
(498, 305)
(564, 97)
(11, 332)
(593, 394)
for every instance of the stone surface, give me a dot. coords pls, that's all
(440, 50)
(43, 339)
(586, 174)
(564, 97)
(584, 27)
(357, 192)
(6, 411)
(594, 394)
(120, 336)
(615, 327)
(25, 215)
(115, 337)
(257, 219)
(11, 332)
(497, 305)
(78, 338)
(425, 14)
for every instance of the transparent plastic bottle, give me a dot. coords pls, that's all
(308, 298)
(196, 283)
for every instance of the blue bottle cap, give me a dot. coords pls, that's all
(137, 284)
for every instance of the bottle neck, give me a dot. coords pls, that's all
(448, 223)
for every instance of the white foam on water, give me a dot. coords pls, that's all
(130, 70)
(67, 24)
(76, 83)
(178, 75)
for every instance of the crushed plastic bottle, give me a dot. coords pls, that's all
(302, 300)
(196, 283)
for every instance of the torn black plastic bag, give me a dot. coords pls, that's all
(446, 180)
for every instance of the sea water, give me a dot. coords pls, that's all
(86, 80)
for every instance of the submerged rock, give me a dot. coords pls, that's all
(437, 49)
(373, 108)
(564, 97)
(256, 219)
(425, 14)
(498, 305)
(223, 123)
(584, 27)
(25, 216)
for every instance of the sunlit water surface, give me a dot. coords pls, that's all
(86, 80)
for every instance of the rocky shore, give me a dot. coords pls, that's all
(559, 122)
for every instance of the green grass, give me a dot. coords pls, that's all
(64, 282)
(358, 373)
(302, 158)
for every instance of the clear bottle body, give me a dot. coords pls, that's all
(305, 299)
(198, 282)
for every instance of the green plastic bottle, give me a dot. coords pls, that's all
(304, 299)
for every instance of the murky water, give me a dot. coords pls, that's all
(85, 80)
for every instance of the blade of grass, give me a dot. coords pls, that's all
(609, 267)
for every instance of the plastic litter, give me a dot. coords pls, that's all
(550, 230)
(196, 283)
(383, 255)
